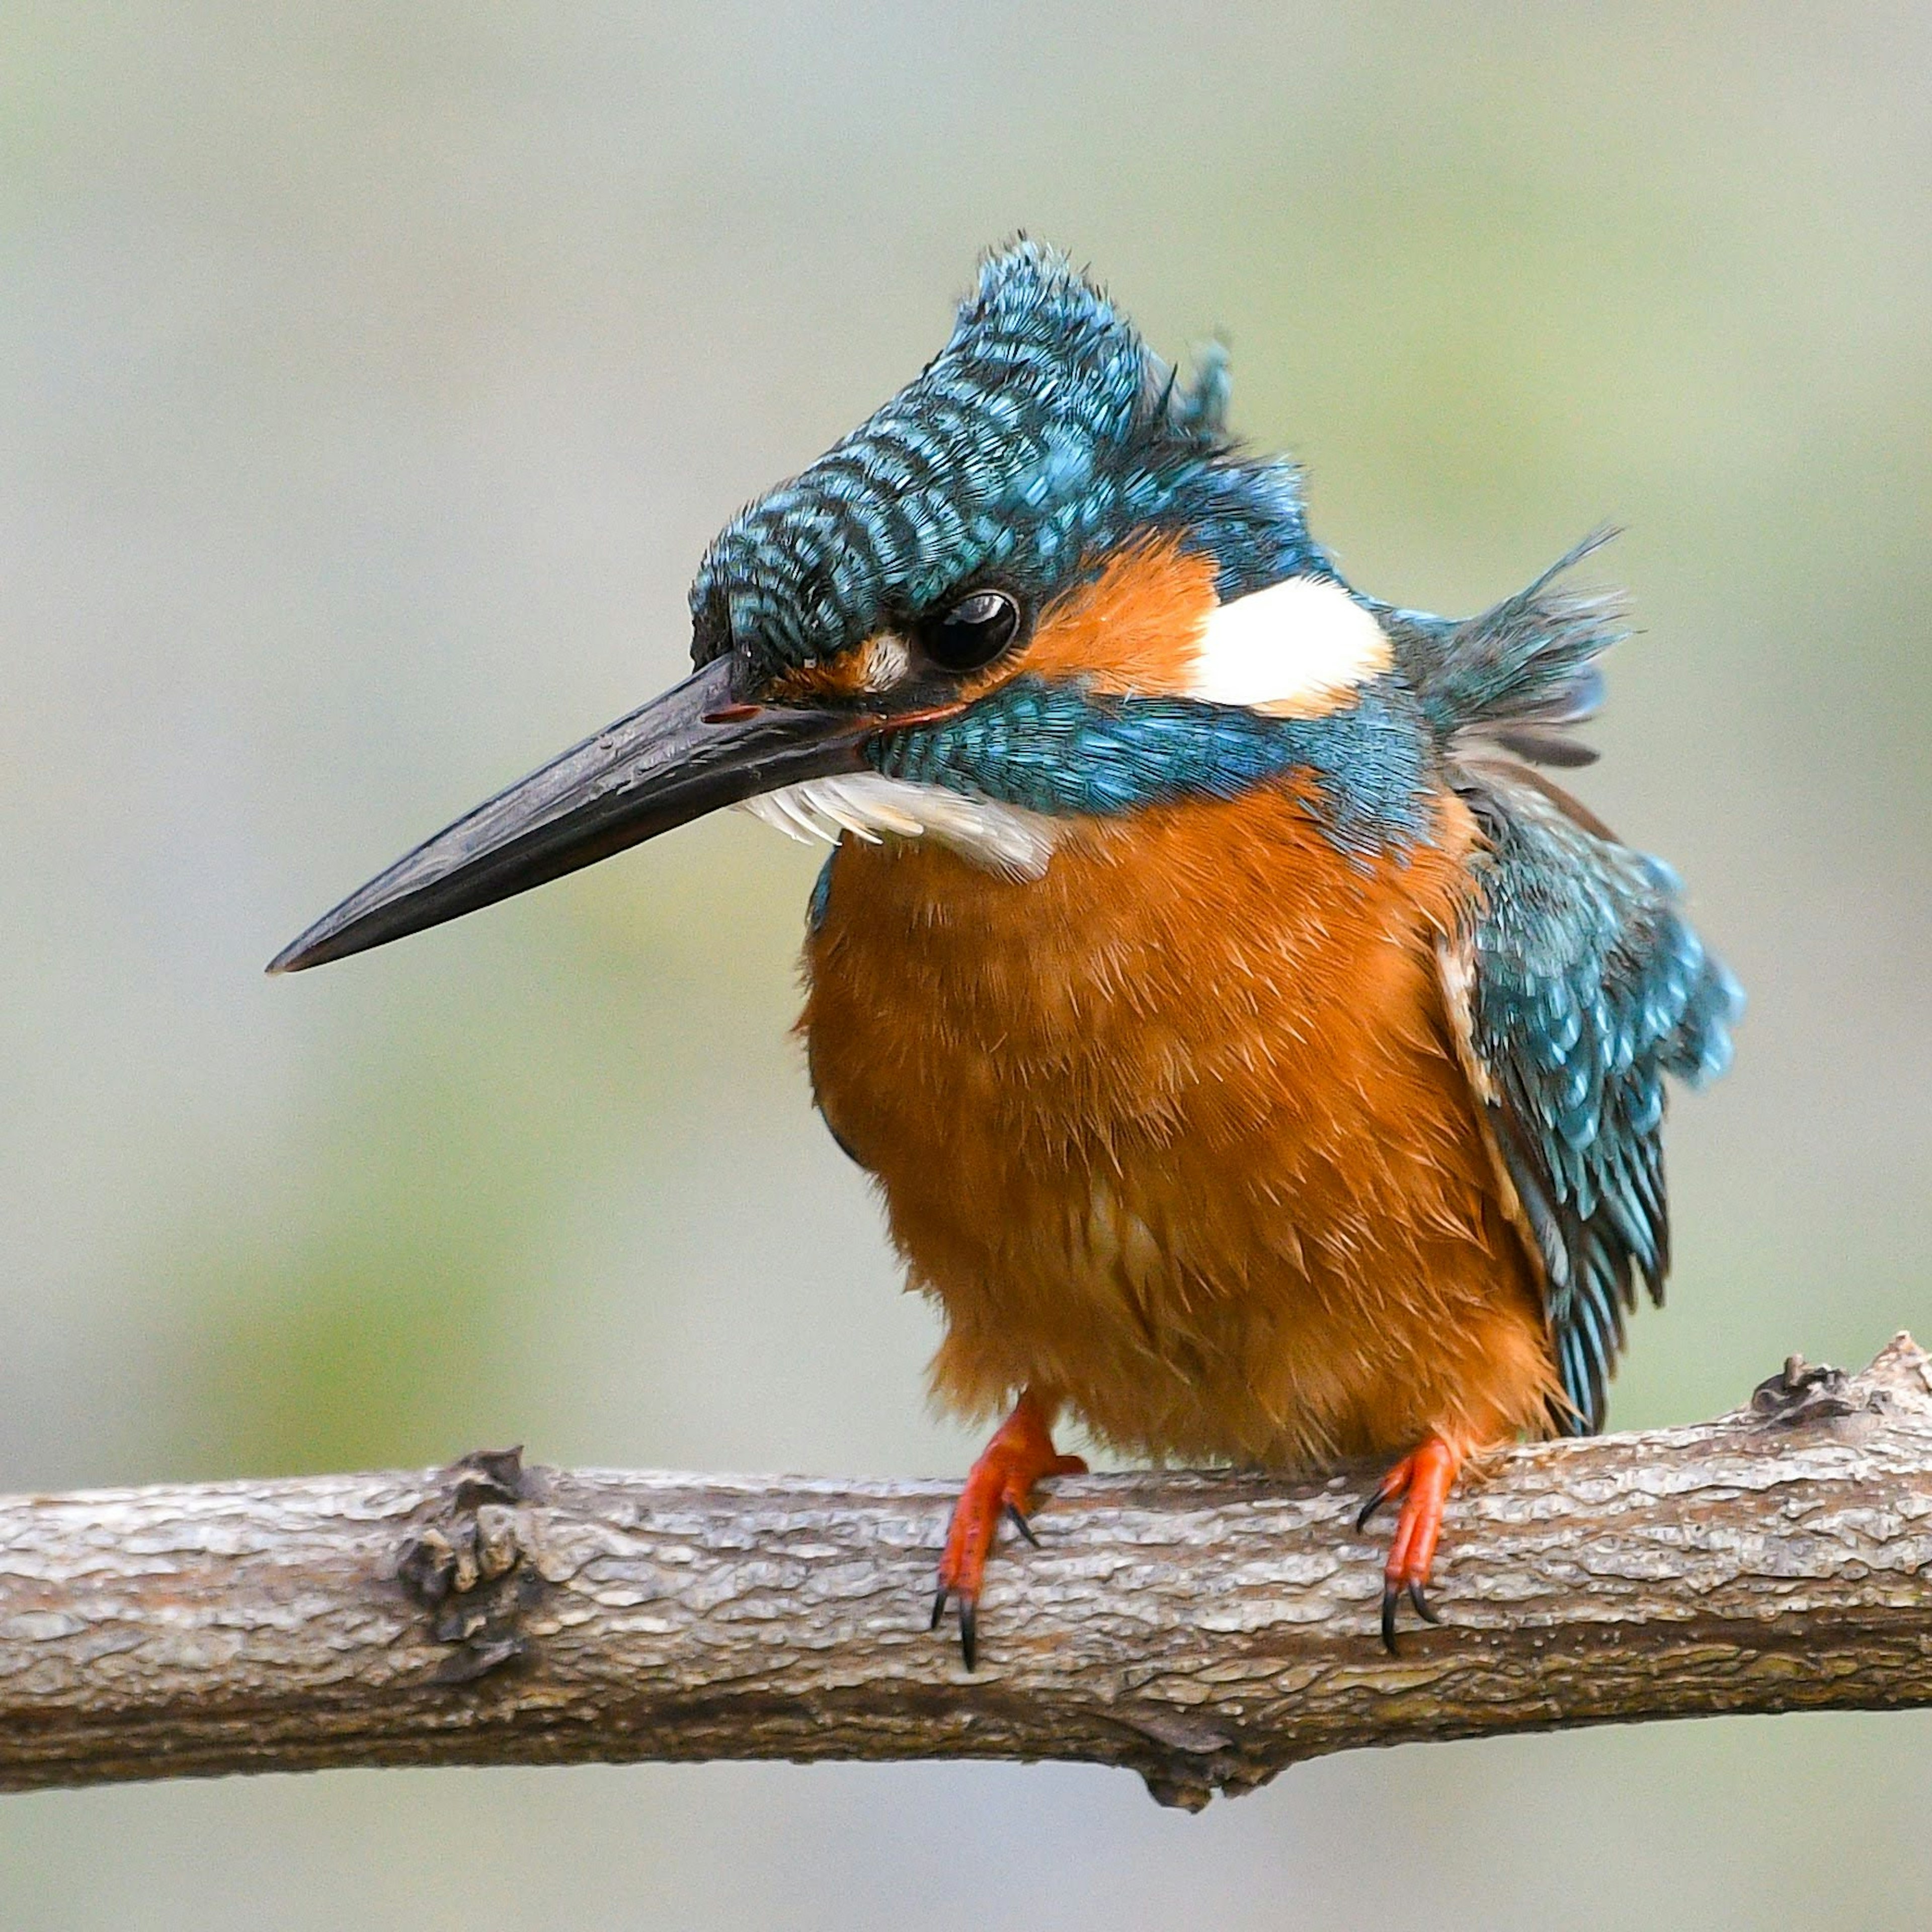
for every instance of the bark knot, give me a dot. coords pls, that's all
(1805, 1392)
(476, 1567)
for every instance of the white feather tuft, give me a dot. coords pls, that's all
(1296, 650)
(1001, 838)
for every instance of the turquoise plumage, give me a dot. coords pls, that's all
(1587, 988)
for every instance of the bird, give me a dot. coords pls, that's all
(1261, 1058)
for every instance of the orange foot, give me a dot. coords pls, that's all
(1000, 1484)
(1422, 1479)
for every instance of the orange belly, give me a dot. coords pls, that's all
(1176, 1134)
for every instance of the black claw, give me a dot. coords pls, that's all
(939, 1607)
(1391, 1596)
(969, 1631)
(1424, 1609)
(1366, 1514)
(1017, 1519)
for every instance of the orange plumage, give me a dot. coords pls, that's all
(1178, 1133)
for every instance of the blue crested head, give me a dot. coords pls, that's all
(1043, 579)
(1044, 435)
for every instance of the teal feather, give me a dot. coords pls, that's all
(1588, 989)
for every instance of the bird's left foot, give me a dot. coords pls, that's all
(1001, 1484)
(1421, 1482)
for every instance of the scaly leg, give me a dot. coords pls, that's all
(1422, 1480)
(1000, 1484)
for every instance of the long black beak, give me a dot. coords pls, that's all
(680, 756)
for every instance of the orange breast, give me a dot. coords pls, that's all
(1178, 1134)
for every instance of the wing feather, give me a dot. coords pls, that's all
(1577, 988)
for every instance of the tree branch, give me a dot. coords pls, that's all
(1203, 1629)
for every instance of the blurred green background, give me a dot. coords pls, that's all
(371, 377)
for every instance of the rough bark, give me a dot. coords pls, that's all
(1203, 1629)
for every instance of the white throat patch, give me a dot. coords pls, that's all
(1297, 650)
(999, 837)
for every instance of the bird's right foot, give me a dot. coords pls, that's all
(1001, 1484)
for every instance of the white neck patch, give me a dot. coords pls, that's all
(1298, 649)
(998, 838)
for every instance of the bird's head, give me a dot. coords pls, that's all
(1040, 584)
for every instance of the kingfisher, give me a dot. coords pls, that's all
(1261, 1059)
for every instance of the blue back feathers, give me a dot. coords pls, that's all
(1588, 986)
(1521, 674)
(1041, 436)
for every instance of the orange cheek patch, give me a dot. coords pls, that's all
(1133, 631)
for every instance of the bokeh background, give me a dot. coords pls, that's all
(371, 376)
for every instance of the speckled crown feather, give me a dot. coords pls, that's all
(1044, 434)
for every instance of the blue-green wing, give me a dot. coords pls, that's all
(1579, 987)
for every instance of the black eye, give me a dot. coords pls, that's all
(973, 632)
